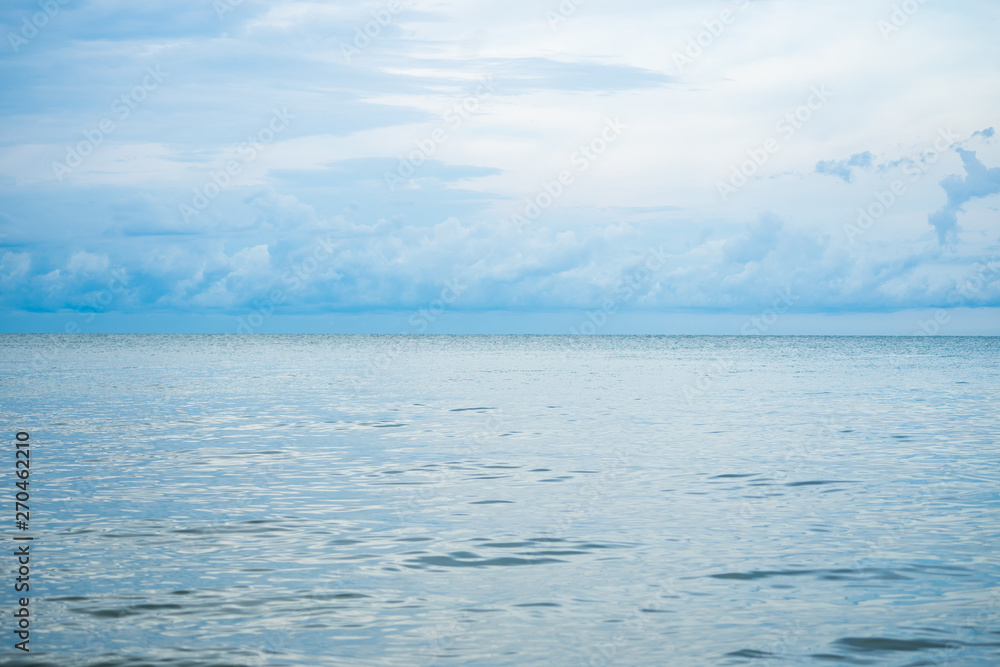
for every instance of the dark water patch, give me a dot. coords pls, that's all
(734, 476)
(888, 644)
(821, 482)
(750, 576)
(592, 545)
(108, 613)
(240, 528)
(493, 502)
(834, 657)
(875, 575)
(950, 570)
(449, 561)
(751, 653)
(468, 409)
(243, 454)
(538, 604)
(150, 606)
(338, 596)
(826, 574)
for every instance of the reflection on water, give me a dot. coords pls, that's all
(378, 500)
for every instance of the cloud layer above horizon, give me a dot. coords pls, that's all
(203, 157)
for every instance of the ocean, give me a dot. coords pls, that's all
(504, 500)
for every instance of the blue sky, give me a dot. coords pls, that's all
(412, 167)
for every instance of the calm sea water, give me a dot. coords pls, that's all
(380, 500)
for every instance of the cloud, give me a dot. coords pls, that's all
(87, 263)
(978, 182)
(754, 245)
(520, 75)
(842, 168)
(394, 244)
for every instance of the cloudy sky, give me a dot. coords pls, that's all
(719, 166)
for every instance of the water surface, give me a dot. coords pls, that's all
(476, 500)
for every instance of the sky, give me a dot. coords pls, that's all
(717, 167)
